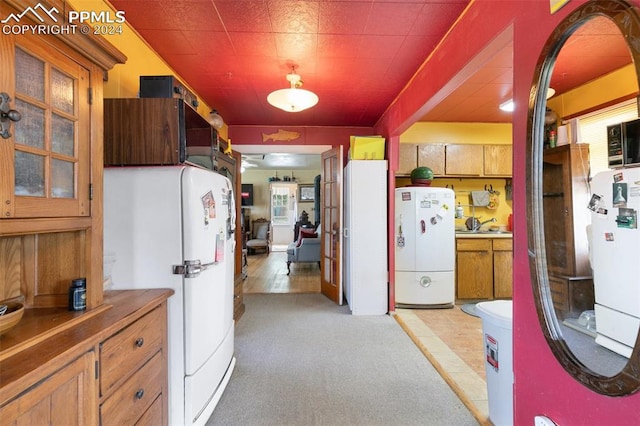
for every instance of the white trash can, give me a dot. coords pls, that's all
(497, 329)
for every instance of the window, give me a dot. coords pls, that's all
(593, 130)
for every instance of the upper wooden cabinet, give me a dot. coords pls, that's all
(163, 129)
(463, 160)
(498, 160)
(432, 156)
(457, 160)
(51, 162)
(47, 156)
(408, 158)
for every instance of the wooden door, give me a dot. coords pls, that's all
(331, 224)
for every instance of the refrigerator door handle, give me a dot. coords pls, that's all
(192, 268)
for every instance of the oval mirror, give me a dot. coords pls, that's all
(568, 274)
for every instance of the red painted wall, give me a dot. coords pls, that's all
(286, 135)
(542, 387)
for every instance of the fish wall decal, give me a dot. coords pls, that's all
(281, 136)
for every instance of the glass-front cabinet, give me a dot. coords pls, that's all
(47, 151)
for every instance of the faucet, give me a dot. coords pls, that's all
(493, 219)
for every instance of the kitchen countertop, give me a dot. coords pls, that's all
(487, 234)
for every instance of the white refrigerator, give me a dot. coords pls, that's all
(365, 237)
(173, 227)
(615, 248)
(424, 246)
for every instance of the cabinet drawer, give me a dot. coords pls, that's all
(153, 416)
(473, 244)
(135, 396)
(128, 349)
(503, 244)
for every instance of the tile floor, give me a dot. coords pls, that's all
(453, 342)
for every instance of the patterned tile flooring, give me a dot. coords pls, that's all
(453, 342)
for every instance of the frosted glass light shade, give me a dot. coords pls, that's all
(292, 100)
(215, 120)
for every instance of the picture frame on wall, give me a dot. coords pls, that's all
(306, 193)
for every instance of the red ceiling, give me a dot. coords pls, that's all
(355, 55)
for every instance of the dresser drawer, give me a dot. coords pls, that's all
(132, 400)
(130, 348)
(153, 416)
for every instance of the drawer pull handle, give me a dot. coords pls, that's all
(140, 394)
(139, 342)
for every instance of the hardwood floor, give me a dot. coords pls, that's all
(267, 273)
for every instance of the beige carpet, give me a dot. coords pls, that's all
(302, 360)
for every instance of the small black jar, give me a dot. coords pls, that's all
(78, 294)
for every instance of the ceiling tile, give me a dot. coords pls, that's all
(392, 19)
(252, 43)
(244, 15)
(343, 18)
(291, 16)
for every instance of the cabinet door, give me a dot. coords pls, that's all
(474, 269)
(408, 153)
(46, 160)
(464, 160)
(432, 156)
(502, 268)
(498, 160)
(68, 397)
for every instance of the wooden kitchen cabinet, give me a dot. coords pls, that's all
(465, 160)
(571, 295)
(408, 158)
(51, 162)
(457, 160)
(66, 397)
(55, 376)
(502, 268)
(433, 156)
(474, 268)
(498, 160)
(484, 268)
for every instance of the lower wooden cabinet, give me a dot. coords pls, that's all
(502, 268)
(484, 268)
(571, 295)
(66, 397)
(108, 368)
(133, 369)
(474, 268)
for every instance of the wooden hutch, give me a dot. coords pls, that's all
(106, 364)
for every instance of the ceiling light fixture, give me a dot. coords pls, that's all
(509, 106)
(293, 99)
(215, 120)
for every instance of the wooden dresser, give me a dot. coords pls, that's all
(106, 367)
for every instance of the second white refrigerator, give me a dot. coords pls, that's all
(425, 246)
(365, 237)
